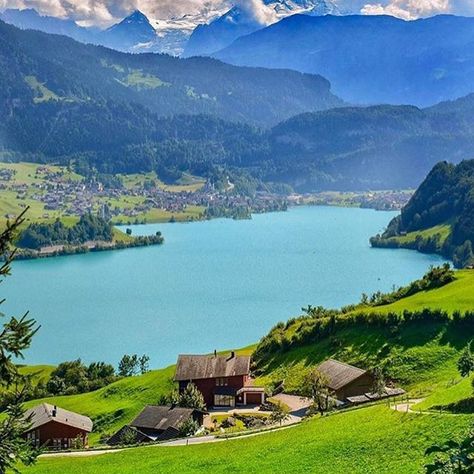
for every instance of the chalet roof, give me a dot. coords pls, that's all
(160, 418)
(44, 413)
(339, 373)
(194, 367)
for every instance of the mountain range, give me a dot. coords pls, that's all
(238, 21)
(210, 29)
(369, 59)
(63, 101)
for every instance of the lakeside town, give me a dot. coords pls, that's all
(52, 192)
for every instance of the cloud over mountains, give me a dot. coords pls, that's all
(105, 12)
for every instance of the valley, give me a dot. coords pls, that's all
(288, 190)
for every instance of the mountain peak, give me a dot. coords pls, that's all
(137, 15)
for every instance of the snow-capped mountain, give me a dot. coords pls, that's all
(133, 30)
(241, 20)
(202, 32)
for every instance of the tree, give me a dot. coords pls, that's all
(457, 457)
(128, 365)
(144, 363)
(128, 436)
(379, 381)
(191, 397)
(315, 387)
(466, 362)
(280, 413)
(188, 427)
(15, 338)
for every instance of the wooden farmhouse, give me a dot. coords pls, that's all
(56, 428)
(224, 381)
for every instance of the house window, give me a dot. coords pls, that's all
(224, 401)
(222, 382)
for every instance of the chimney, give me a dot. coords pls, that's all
(55, 410)
(232, 355)
(215, 353)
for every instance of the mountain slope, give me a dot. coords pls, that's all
(76, 74)
(373, 147)
(369, 59)
(446, 197)
(133, 30)
(241, 20)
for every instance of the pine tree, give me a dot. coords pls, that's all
(15, 338)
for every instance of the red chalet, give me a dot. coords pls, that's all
(56, 428)
(222, 380)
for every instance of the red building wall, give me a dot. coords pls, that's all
(54, 430)
(207, 386)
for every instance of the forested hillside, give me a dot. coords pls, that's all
(48, 70)
(69, 103)
(439, 217)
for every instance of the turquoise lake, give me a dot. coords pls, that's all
(217, 284)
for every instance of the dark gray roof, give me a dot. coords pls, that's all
(339, 374)
(44, 413)
(140, 437)
(155, 417)
(194, 367)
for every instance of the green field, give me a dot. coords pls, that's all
(371, 440)
(443, 230)
(458, 295)
(137, 79)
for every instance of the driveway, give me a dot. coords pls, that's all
(298, 405)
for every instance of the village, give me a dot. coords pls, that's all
(61, 193)
(53, 191)
(215, 392)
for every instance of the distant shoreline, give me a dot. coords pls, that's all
(99, 246)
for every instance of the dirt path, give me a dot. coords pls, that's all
(406, 407)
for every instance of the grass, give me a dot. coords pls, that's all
(142, 81)
(443, 230)
(422, 357)
(43, 94)
(457, 295)
(453, 392)
(113, 406)
(370, 440)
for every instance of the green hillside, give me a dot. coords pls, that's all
(439, 218)
(457, 295)
(420, 355)
(368, 441)
(115, 405)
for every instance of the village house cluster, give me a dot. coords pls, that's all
(225, 383)
(76, 197)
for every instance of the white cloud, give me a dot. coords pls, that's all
(106, 12)
(257, 10)
(412, 9)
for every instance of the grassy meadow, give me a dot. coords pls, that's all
(372, 440)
